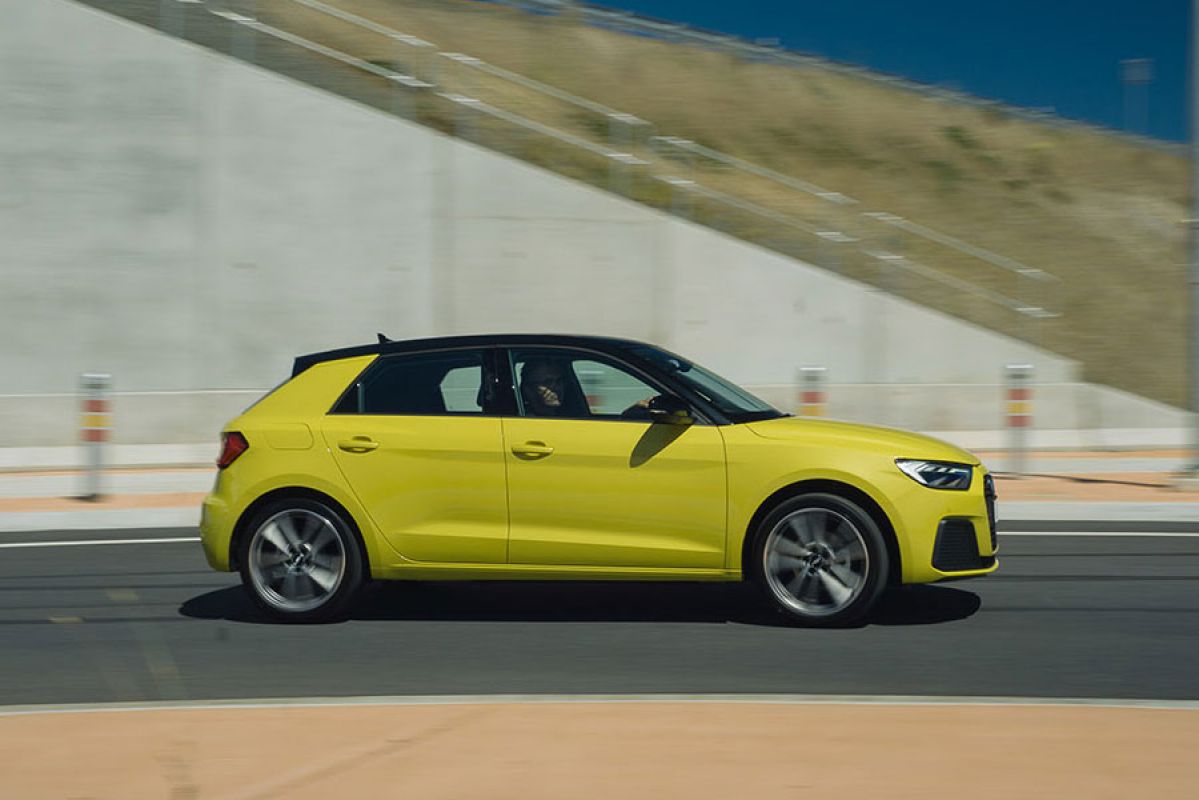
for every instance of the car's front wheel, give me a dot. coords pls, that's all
(820, 559)
(300, 561)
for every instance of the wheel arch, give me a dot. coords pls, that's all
(839, 489)
(240, 529)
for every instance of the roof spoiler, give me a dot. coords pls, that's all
(305, 361)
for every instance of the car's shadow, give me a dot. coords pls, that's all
(502, 601)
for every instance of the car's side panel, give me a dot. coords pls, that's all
(615, 493)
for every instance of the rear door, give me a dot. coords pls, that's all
(418, 441)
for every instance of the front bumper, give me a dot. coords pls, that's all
(952, 534)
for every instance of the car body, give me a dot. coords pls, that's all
(440, 459)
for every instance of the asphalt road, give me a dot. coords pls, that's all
(1066, 616)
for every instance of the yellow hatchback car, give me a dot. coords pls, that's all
(576, 458)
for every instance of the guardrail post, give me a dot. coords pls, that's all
(813, 393)
(431, 67)
(895, 281)
(170, 17)
(620, 140)
(832, 248)
(682, 200)
(244, 43)
(465, 86)
(1018, 415)
(94, 428)
(683, 194)
(401, 103)
(615, 168)
(401, 100)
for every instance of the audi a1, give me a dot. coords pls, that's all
(530, 457)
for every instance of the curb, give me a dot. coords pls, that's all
(586, 699)
(189, 516)
(31, 521)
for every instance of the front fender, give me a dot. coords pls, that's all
(761, 470)
(746, 514)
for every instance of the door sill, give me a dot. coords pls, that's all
(427, 571)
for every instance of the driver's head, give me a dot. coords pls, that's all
(542, 386)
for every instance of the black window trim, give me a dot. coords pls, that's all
(614, 347)
(489, 358)
(497, 363)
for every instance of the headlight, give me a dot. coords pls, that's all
(937, 474)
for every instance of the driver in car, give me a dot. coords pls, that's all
(543, 386)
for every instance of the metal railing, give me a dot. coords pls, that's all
(1032, 282)
(631, 152)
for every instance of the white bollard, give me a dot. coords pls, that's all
(1018, 415)
(813, 395)
(95, 424)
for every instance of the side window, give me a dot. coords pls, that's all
(609, 391)
(575, 385)
(460, 390)
(423, 384)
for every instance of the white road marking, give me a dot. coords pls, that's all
(1134, 534)
(538, 699)
(82, 542)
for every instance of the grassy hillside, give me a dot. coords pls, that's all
(1099, 212)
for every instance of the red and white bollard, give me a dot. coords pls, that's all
(95, 425)
(813, 396)
(1018, 415)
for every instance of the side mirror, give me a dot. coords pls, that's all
(670, 409)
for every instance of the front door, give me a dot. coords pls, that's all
(417, 442)
(592, 482)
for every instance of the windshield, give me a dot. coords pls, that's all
(731, 400)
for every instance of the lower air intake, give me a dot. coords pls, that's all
(956, 548)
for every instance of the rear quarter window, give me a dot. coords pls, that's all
(423, 384)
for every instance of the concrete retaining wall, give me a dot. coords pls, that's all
(189, 223)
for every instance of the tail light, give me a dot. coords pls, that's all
(233, 444)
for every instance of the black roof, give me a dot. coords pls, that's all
(602, 343)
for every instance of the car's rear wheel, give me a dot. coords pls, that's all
(820, 559)
(300, 561)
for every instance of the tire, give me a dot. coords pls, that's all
(820, 560)
(300, 561)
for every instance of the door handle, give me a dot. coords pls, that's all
(358, 444)
(532, 449)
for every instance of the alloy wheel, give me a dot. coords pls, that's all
(297, 560)
(816, 562)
